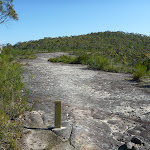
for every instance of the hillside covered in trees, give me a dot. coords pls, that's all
(125, 47)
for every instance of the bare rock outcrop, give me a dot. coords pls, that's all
(100, 110)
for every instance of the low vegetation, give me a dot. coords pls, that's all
(64, 59)
(139, 72)
(12, 99)
(109, 51)
(96, 62)
(100, 62)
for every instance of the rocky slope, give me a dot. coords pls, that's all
(100, 110)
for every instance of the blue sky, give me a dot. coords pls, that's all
(53, 18)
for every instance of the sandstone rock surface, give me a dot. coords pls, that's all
(100, 110)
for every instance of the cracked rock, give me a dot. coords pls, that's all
(63, 132)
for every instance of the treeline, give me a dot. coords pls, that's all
(126, 48)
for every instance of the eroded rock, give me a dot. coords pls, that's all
(33, 119)
(105, 110)
(64, 132)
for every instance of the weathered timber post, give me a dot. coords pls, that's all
(57, 114)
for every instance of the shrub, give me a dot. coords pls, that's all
(63, 58)
(99, 62)
(82, 58)
(139, 71)
(12, 101)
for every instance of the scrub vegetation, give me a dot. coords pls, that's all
(100, 62)
(12, 99)
(108, 51)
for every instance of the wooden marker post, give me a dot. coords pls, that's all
(57, 114)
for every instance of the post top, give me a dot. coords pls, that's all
(57, 101)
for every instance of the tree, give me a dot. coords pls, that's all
(7, 11)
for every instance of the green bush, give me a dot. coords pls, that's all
(63, 58)
(12, 99)
(82, 58)
(139, 71)
(99, 63)
(93, 61)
